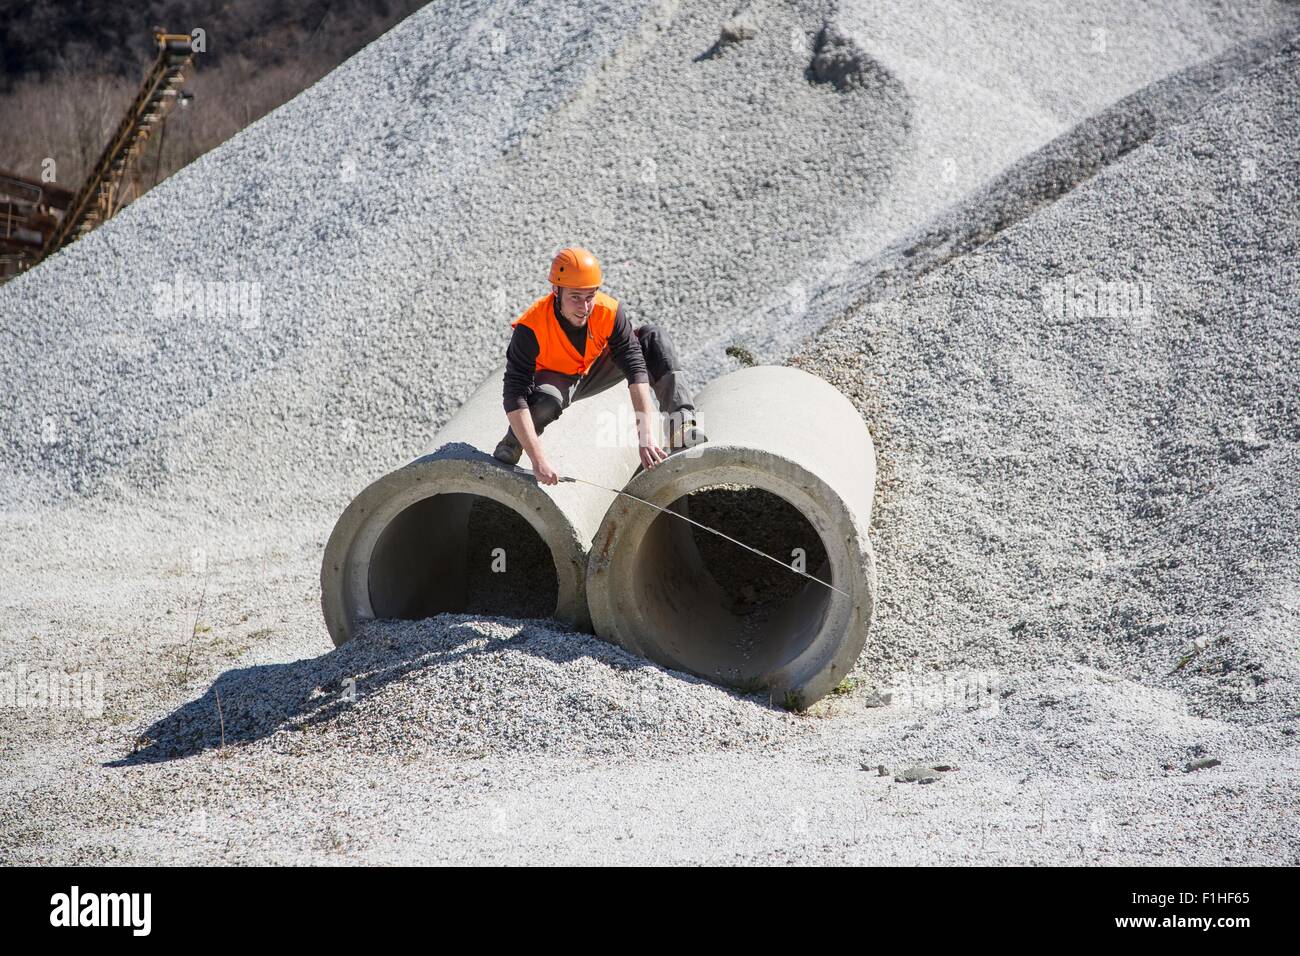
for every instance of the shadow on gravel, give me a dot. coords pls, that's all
(255, 702)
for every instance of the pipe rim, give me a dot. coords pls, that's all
(826, 659)
(345, 589)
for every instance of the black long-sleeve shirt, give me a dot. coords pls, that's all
(521, 355)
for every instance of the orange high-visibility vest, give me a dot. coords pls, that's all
(554, 350)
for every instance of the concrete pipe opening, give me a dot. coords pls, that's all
(462, 553)
(749, 614)
(452, 534)
(789, 469)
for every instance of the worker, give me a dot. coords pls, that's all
(571, 344)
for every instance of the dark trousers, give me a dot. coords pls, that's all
(552, 392)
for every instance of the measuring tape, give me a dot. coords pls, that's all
(615, 491)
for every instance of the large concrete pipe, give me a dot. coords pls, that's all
(789, 469)
(457, 531)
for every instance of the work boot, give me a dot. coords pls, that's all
(508, 449)
(684, 431)
(544, 410)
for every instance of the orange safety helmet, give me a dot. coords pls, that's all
(575, 268)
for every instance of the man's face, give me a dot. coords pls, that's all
(576, 304)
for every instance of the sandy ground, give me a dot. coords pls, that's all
(1086, 513)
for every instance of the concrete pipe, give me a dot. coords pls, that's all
(457, 531)
(789, 469)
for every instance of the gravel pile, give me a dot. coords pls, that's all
(1093, 512)
(1088, 426)
(455, 153)
(461, 686)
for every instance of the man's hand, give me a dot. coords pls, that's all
(546, 475)
(651, 454)
(521, 422)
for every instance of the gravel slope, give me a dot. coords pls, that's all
(459, 151)
(1067, 504)
(1114, 489)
